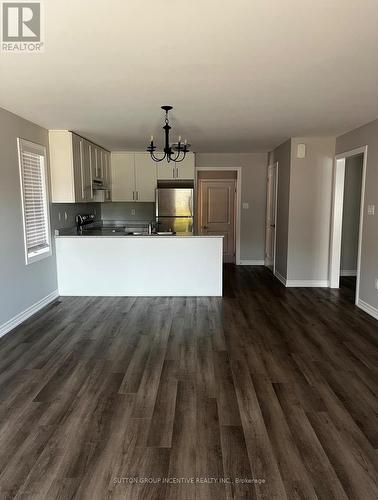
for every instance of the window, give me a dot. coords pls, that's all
(35, 200)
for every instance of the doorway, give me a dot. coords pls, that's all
(271, 217)
(217, 213)
(347, 220)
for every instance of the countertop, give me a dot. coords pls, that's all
(107, 232)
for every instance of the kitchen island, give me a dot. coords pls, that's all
(150, 265)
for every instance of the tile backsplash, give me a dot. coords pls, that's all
(63, 214)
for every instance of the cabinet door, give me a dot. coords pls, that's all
(99, 164)
(123, 176)
(87, 172)
(165, 170)
(106, 161)
(145, 177)
(185, 169)
(92, 160)
(77, 158)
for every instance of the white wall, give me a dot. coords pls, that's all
(254, 165)
(21, 286)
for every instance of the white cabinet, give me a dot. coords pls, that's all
(145, 177)
(133, 177)
(70, 168)
(174, 171)
(74, 164)
(82, 171)
(123, 173)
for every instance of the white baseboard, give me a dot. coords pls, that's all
(24, 315)
(280, 277)
(251, 263)
(307, 283)
(348, 272)
(368, 308)
(302, 283)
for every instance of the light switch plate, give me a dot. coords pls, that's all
(245, 205)
(371, 209)
(301, 151)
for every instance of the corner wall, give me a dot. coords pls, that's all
(21, 286)
(310, 210)
(304, 210)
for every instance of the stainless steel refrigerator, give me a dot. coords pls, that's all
(174, 209)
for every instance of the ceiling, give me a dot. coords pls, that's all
(242, 75)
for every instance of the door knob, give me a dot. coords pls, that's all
(205, 227)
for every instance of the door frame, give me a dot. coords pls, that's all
(275, 164)
(337, 217)
(237, 199)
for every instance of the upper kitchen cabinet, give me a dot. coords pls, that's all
(73, 164)
(172, 171)
(133, 177)
(145, 177)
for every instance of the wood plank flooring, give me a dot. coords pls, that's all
(267, 393)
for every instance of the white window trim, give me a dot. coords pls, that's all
(22, 144)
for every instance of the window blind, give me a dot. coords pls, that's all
(36, 224)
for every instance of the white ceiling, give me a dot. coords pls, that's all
(243, 75)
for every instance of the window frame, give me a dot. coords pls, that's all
(25, 145)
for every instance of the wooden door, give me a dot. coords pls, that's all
(216, 205)
(271, 211)
(145, 177)
(123, 176)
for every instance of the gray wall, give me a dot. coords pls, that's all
(282, 155)
(362, 136)
(115, 211)
(21, 286)
(252, 238)
(310, 209)
(351, 213)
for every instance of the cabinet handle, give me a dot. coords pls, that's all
(177, 173)
(137, 195)
(173, 172)
(133, 195)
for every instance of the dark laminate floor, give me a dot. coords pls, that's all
(268, 383)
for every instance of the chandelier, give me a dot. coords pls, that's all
(175, 152)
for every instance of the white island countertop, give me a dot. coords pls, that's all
(139, 265)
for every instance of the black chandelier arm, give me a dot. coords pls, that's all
(155, 158)
(177, 160)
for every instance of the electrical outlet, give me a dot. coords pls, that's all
(59, 217)
(245, 205)
(376, 283)
(65, 216)
(133, 211)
